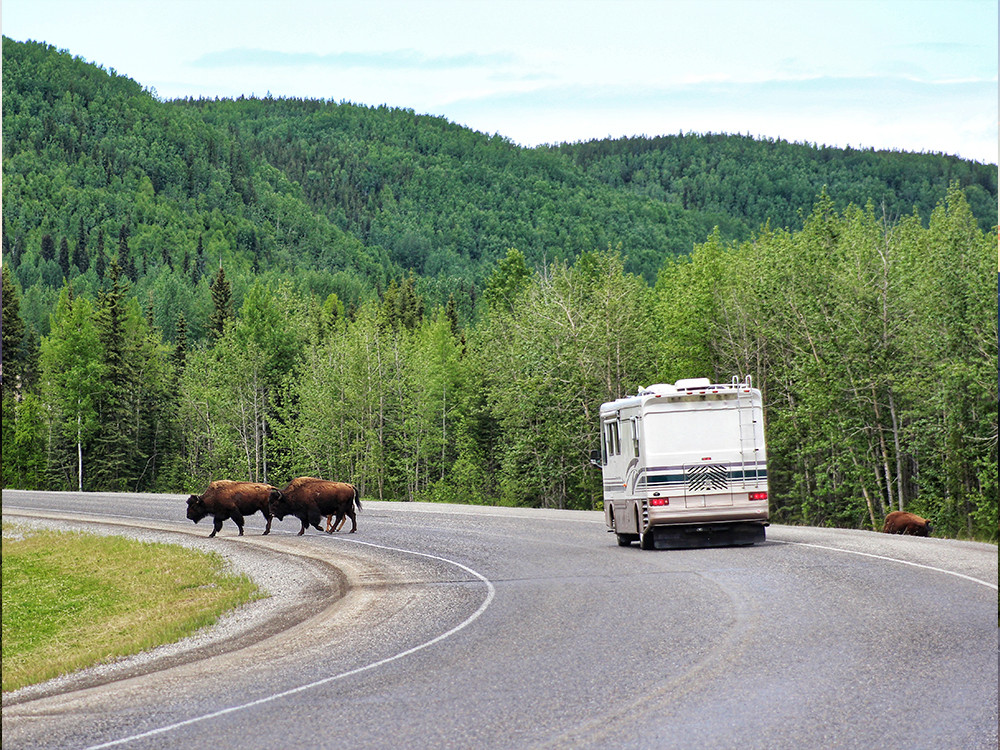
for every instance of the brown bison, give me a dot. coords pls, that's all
(899, 522)
(309, 499)
(228, 499)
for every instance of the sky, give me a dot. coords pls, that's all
(911, 75)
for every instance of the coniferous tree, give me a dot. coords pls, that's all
(180, 344)
(13, 335)
(100, 261)
(198, 267)
(173, 442)
(80, 259)
(222, 302)
(64, 257)
(113, 465)
(7, 247)
(125, 261)
(451, 312)
(48, 247)
(152, 402)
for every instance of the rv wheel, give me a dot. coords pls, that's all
(624, 540)
(646, 539)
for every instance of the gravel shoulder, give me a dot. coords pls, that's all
(296, 587)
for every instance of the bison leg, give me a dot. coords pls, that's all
(238, 520)
(216, 526)
(267, 529)
(314, 519)
(354, 521)
(329, 524)
(341, 518)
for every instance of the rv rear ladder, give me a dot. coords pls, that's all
(748, 434)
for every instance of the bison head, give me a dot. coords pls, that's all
(196, 508)
(278, 504)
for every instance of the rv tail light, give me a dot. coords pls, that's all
(659, 501)
(758, 496)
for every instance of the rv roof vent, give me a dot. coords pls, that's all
(693, 383)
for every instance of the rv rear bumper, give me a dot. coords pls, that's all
(753, 512)
(682, 536)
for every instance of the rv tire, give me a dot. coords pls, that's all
(646, 539)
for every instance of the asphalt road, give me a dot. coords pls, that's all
(443, 626)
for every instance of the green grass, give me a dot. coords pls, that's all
(71, 600)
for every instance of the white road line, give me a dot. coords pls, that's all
(491, 591)
(897, 560)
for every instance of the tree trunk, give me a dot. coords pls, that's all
(899, 453)
(79, 454)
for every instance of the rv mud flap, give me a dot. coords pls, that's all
(707, 535)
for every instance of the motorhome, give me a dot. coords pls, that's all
(685, 465)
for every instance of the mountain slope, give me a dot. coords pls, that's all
(337, 197)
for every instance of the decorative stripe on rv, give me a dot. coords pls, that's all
(697, 478)
(703, 476)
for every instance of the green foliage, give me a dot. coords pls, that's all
(13, 334)
(105, 378)
(750, 182)
(72, 374)
(24, 433)
(875, 344)
(579, 337)
(347, 198)
(222, 301)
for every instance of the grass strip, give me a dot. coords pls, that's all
(72, 600)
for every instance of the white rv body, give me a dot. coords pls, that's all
(685, 465)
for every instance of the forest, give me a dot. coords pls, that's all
(264, 288)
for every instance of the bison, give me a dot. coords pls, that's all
(899, 522)
(228, 499)
(309, 499)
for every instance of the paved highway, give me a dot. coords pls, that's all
(443, 626)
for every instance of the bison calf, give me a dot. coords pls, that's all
(228, 499)
(309, 499)
(899, 522)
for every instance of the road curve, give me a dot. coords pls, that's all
(439, 626)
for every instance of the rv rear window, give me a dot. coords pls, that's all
(696, 431)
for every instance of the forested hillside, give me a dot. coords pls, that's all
(760, 181)
(342, 198)
(267, 287)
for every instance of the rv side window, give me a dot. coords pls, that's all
(604, 447)
(635, 437)
(611, 438)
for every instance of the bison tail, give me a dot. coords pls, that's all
(357, 497)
